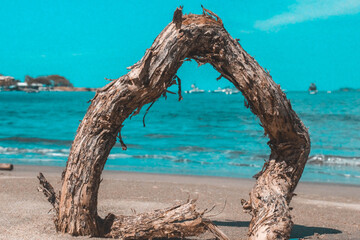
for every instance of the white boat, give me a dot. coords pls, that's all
(231, 91)
(219, 90)
(195, 89)
(30, 90)
(312, 89)
(226, 90)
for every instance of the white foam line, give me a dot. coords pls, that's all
(14, 177)
(321, 203)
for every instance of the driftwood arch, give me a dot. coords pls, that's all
(204, 39)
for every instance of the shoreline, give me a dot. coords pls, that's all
(54, 89)
(331, 210)
(31, 168)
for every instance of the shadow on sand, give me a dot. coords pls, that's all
(298, 231)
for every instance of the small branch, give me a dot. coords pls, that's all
(215, 230)
(214, 215)
(147, 110)
(246, 205)
(123, 146)
(211, 14)
(179, 87)
(186, 60)
(201, 60)
(200, 63)
(246, 103)
(133, 66)
(256, 176)
(91, 100)
(169, 92)
(136, 112)
(47, 189)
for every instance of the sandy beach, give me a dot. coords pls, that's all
(321, 211)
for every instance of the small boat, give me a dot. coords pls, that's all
(226, 90)
(312, 89)
(195, 89)
(219, 90)
(30, 90)
(231, 91)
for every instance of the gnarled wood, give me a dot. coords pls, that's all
(204, 39)
(176, 222)
(179, 221)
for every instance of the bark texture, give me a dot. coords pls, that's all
(176, 222)
(204, 39)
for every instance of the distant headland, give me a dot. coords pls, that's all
(349, 90)
(42, 83)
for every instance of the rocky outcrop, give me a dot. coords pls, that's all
(59, 81)
(50, 80)
(6, 81)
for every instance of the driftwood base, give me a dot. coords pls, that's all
(176, 222)
(179, 221)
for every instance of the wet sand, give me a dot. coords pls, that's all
(321, 211)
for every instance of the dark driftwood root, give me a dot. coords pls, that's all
(204, 39)
(176, 222)
(6, 166)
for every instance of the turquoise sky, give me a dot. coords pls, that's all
(299, 41)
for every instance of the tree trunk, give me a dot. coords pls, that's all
(204, 39)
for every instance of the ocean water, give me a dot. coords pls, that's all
(205, 134)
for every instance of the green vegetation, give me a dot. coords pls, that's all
(50, 80)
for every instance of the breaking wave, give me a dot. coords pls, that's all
(243, 165)
(36, 140)
(321, 159)
(40, 151)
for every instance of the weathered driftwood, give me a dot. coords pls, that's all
(179, 221)
(204, 39)
(176, 222)
(6, 166)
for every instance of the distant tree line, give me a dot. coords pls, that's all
(50, 80)
(6, 81)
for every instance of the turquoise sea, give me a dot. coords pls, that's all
(205, 134)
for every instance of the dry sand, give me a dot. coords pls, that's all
(321, 211)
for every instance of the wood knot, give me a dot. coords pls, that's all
(246, 204)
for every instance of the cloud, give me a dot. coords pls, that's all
(246, 31)
(305, 10)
